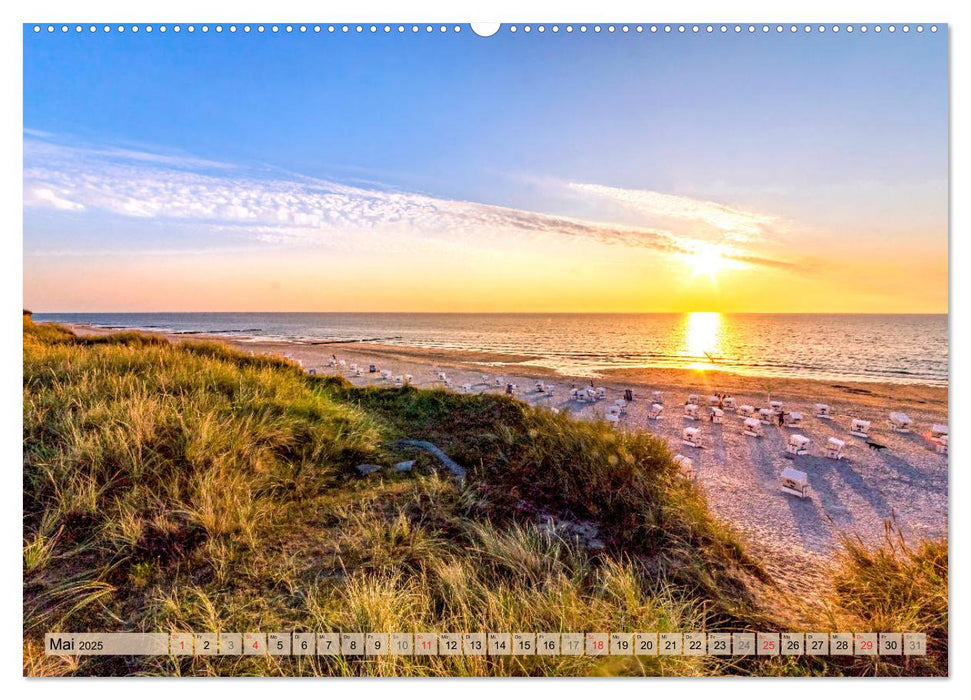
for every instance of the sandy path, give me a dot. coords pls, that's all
(739, 474)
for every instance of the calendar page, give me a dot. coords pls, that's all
(517, 349)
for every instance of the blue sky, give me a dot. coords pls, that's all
(801, 142)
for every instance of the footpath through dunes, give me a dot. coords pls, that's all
(190, 487)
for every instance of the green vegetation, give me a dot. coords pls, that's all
(192, 488)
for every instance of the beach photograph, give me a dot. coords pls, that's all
(532, 350)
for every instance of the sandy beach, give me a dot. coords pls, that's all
(795, 538)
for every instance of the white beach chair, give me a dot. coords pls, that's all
(540, 387)
(442, 376)
(794, 482)
(713, 400)
(399, 380)
(767, 416)
(657, 397)
(500, 381)
(467, 388)
(359, 372)
(834, 448)
(691, 437)
(694, 398)
(386, 374)
(591, 394)
(409, 379)
(352, 367)
(776, 407)
(798, 445)
(728, 403)
(613, 411)
(822, 411)
(312, 371)
(332, 362)
(691, 411)
(686, 465)
(601, 393)
(622, 405)
(575, 395)
(752, 426)
(550, 388)
(447, 383)
(485, 378)
(717, 415)
(860, 428)
(746, 411)
(654, 413)
(792, 419)
(942, 445)
(612, 418)
(938, 431)
(900, 422)
(342, 363)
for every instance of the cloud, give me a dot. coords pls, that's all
(273, 208)
(731, 223)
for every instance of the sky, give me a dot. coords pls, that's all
(438, 171)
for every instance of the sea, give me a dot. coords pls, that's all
(854, 347)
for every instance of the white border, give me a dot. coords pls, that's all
(281, 11)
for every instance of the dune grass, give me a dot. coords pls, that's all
(189, 487)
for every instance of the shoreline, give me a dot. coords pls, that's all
(795, 538)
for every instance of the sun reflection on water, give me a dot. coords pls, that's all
(703, 339)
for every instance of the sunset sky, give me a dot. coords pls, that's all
(450, 172)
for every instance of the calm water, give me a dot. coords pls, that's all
(907, 349)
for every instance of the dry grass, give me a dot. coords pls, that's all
(189, 487)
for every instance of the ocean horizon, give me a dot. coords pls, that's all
(898, 348)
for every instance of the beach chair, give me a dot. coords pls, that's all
(746, 411)
(485, 378)
(622, 405)
(797, 445)
(550, 388)
(792, 419)
(752, 426)
(332, 362)
(575, 395)
(372, 369)
(691, 437)
(717, 415)
(358, 372)
(612, 418)
(767, 416)
(794, 482)
(834, 448)
(590, 393)
(628, 395)
(694, 398)
(312, 371)
(601, 393)
(500, 381)
(686, 465)
(938, 431)
(613, 411)
(776, 407)
(942, 445)
(728, 403)
(447, 383)
(399, 380)
(691, 411)
(713, 401)
(342, 364)
(466, 388)
(386, 374)
(654, 413)
(860, 428)
(822, 411)
(657, 397)
(900, 422)
(352, 367)
(442, 376)
(540, 387)
(409, 379)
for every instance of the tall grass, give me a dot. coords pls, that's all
(189, 487)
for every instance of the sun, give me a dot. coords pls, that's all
(707, 259)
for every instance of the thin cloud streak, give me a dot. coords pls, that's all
(277, 209)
